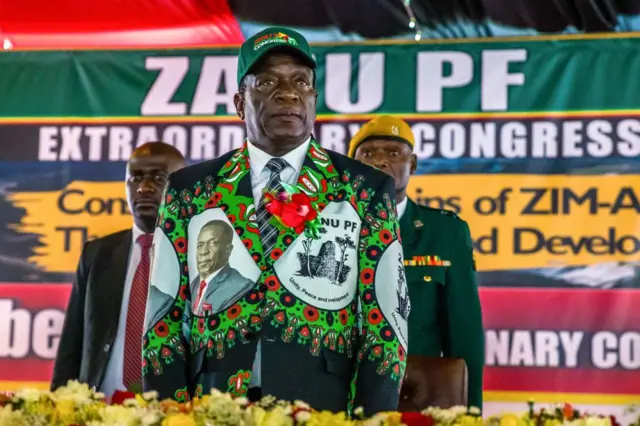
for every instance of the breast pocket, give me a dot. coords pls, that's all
(425, 284)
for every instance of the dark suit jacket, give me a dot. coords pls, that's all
(91, 321)
(309, 353)
(235, 285)
(446, 317)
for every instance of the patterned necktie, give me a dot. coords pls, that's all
(132, 373)
(268, 231)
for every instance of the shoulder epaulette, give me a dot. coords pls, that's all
(444, 212)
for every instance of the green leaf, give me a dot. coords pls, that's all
(289, 188)
(135, 388)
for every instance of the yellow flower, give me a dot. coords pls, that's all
(276, 417)
(327, 418)
(9, 417)
(597, 421)
(140, 400)
(179, 420)
(470, 421)
(390, 418)
(255, 415)
(65, 412)
(509, 420)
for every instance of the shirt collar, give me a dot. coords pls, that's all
(258, 159)
(136, 232)
(401, 207)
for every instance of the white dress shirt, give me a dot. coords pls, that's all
(401, 207)
(260, 175)
(113, 376)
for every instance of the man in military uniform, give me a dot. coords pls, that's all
(445, 318)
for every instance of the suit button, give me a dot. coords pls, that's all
(107, 347)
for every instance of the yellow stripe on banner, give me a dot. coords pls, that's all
(6, 386)
(561, 398)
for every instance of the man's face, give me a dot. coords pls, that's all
(394, 158)
(146, 177)
(279, 101)
(213, 250)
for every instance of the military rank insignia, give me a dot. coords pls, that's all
(426, 261)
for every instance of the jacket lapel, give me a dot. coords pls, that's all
(111, 283)
(216, 281)
(411, 227)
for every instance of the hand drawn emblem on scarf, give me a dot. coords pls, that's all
(325, 264)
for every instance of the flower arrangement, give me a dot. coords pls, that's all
(292, 209)
(78, 405)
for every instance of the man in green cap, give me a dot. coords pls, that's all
(325, 320)
(446, 318)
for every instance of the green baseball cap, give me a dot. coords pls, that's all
(281, 38)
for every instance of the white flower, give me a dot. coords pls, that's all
(303, 416)
(118, 415)
(597, 421)
(458, 410)
(31, 395)
(150, 396)
(302, 404)
(150, 418)
(242, 401)
(76, 392)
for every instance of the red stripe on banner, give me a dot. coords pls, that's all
(31, 369)
(32, 317)
(37, 296)
(65, 24)
(561, 309)
(561, 380)
(528, 332)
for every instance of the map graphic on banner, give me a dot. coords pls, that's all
(535, 143)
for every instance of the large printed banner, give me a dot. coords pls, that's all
(535, 143)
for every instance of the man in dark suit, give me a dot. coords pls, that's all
(446, 318)
(322, 322)
(101, 337)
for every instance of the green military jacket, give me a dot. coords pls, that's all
(445, 317)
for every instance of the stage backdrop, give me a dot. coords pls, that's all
(535, 143)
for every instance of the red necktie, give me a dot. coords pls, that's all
(203, 284)
(132, 373)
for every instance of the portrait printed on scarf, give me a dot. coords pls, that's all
(393, 299)
(221, 270)
(164, 279)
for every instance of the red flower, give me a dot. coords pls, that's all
(293, 213)
(416, 419)
(274, 205)
(119, 397)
